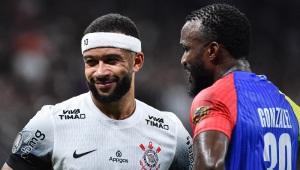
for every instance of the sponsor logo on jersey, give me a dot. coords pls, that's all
(157, 122)
(72, 114)
(199, 113)
(150, 157)
(38, 136)
(118, 159)
(75, 155)
(189, 144)
(28, 137)
(17, 143)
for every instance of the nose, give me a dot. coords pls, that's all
(102, 70)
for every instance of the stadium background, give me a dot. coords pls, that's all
(41, 61)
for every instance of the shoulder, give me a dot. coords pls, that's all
(160, 119)
(221, 90)
(151, 112)
(218, 99)
(74, 101)
(70, 104)
(44, 115)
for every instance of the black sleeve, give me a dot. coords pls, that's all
(18, 163)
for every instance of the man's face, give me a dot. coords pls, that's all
(193, 58)
(108, 72)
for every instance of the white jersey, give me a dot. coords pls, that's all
(75, 134)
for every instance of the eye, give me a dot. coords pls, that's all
(91, 62)
(111, 60)
(185, 48)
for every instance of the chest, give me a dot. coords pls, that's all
(94, 145)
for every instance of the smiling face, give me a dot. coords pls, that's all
(194, 58)
(109, 73)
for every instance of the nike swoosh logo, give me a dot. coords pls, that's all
(75, 155)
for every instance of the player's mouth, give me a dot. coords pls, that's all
(189, 75)
(105, 84)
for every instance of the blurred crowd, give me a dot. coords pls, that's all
(41, 61)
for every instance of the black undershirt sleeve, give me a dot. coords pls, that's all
(18, 163)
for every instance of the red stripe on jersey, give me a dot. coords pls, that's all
(215, 108)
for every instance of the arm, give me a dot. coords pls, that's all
(32, 148)
(6, 167)
(213, 117)
(210, 148)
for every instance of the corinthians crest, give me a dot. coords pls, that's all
(150, 157)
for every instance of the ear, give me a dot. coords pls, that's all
(138, 61)
(213, 50)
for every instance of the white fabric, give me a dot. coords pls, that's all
(117, 143)
(108, 39)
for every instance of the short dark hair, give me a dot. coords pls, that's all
(113, 23)
(226, 25)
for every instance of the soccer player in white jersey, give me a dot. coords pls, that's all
(106, 128)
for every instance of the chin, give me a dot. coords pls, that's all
(106, 92)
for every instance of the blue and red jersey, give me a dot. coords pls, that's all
(261, 123)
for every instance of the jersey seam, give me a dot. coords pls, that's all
(237, 108)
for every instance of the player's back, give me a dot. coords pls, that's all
(266, 132)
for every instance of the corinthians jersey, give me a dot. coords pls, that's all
(75, 134)
(261, 123)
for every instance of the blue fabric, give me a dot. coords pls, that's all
(264, 116)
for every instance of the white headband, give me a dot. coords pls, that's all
(108, 39)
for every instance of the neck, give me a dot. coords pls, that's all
(121, 109)
(235, 65)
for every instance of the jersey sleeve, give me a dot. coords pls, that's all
(32, 148)
(215, 108)
(184, 156)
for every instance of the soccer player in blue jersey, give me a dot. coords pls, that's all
(241, 121)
